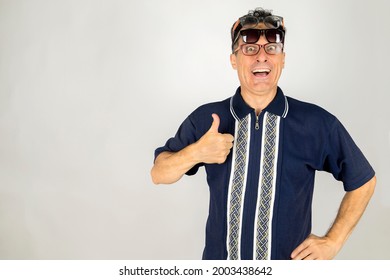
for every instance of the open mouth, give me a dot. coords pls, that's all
(261, 72)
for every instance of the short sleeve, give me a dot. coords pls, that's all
(186, 135)
(344, 159)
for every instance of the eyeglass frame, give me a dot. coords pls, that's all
(260, 47)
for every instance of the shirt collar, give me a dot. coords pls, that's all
(278, 106)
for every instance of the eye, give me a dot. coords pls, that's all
(251, 48)
(273, 48)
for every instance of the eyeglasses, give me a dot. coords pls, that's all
(253, 49)
(251, 36)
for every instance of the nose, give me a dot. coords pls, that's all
(262, 56)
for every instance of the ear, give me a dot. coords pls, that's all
(233, 61)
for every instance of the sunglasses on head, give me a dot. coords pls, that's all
(251, 36)
(254, 19)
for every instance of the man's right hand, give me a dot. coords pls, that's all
(214, 147)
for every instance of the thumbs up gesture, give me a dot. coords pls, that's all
(214, 147)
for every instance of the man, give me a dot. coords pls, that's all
(261, 150)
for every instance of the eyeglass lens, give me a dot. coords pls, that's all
(251, 36)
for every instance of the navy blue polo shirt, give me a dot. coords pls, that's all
(260, 198)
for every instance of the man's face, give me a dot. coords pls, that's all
(270, 66)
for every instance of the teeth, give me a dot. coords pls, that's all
(261, 71)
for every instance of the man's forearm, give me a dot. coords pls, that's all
(351, 209)
(170, 167)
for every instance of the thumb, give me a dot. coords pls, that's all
(215, 125)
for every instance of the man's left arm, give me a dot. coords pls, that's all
(351, 209)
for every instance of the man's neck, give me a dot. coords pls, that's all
(258, 100)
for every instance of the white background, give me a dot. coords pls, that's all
(89, 89)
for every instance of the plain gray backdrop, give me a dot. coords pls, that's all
(89, 89)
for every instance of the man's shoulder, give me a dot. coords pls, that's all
(225, 103)
(305, 109)
(310, 114)
(218, 107)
